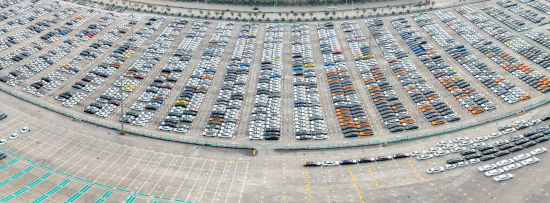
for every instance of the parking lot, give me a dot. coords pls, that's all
(272, 85)
(197, 174)
(118, 67)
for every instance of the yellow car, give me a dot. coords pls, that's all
(456, 78)
(79, 17)
(130, 86)
(358, 55)
(309, 65)
(182, 102)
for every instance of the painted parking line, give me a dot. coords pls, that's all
(104, 197)
(52, 191)
(17, 175)
(8, 164)
(372, 176)
(24, 189)
(131, 199)
(308, 188)
(355, 185)
(78, 194)
(415, 170)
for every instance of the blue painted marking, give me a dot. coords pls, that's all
(8, 164)
(131, 199)
(29, 186)
(52, 191)
(16, 176)
(78, 194)
(104, 197)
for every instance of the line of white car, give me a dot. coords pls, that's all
(506, 165)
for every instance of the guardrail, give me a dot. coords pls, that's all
(250, 147)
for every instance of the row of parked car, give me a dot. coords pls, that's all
(454, 83)
(506, 19)
(25, 18)
(536, 4)
(503, 59)
(200, 80)
(356, 161)
(225, 112)
(13, 40)
(391, 109)
(16, 18)
(514, 163)
(265, 121)
(511, 64)
(518, 44)
(525, 13)
(108, 66)
(13, 11)
(176, 64)
(49, 57)
(142, 67)
(495, 82)
(430, 103)
(352, 118)
(539, 37)
(58, 76)
(309, 120)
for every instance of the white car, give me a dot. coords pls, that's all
(503, 177)
(522, 157)
(25, 129)
(450, 166)
(424, 156)
(530, 161)
(462, 164)
(494, 172)
(487, 167)
(331, 163)
(480, 139)
(474, 161)
(512, 167)
(505, 162)
(495, 135)
(13, 136)
(435, 170)
(538, 151)
(2, 141)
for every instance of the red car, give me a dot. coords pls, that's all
(139, 76)
(336, 52)
(86, 79)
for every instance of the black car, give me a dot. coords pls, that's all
(383, 158)
(506, 146)
(529, 144)
(515, 149)
(521, 141)
(502, 153)
(3, 116)
(348, 162)
(542, 139)
(467, 152)
(454, 161)
(367, 160)
(472, 156)
(484, 148)
(400, 156)
(487, 158)
(489, 151)
(312, 164)
(2, 155)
